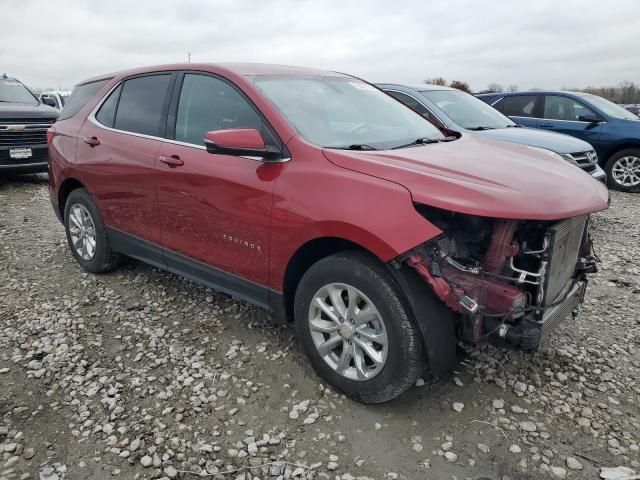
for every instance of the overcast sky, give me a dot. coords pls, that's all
(541, 43)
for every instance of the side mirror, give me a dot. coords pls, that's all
(49, 101)
(589, 117)
(240, 142)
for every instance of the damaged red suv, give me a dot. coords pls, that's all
(323, 200)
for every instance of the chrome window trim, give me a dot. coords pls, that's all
(554, 120)
(569, 121)
(92, 118)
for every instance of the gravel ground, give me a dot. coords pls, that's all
(143, 374)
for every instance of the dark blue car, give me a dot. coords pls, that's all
(459, 111)
(612, 130)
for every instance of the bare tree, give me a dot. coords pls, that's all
(512, 88)
(495, 87)
(436, 81)
(460, 85)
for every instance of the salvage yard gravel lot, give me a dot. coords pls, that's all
(143, 374)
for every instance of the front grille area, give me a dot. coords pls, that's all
(565, 239)
(23, 132)
(586, 160)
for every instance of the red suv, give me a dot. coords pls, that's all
(323, 200)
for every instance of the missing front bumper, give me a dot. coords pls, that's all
(531, 333)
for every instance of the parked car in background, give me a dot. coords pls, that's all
(635, 109)
(55, 98)
(457, 110)
(24, 121)
(316, 196)
(613, 131)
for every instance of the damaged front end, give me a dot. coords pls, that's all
(512, 281)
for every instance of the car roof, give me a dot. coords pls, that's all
(419, 87)
(241, 69)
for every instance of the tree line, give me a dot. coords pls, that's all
(625, 93)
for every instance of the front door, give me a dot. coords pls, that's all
(215, 209)
(562, 115)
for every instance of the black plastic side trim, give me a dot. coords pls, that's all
(155, 255)
(435, 320)
(218, 279)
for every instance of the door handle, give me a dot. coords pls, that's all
(546, 125)
(92, 141)
(172, 160)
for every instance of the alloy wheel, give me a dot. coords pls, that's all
(626, 171)
(82, 231)
(348, 331)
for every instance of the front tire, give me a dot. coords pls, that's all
(86, 234)
(356, 329)
(623, 170)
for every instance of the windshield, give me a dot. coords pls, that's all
(342, 112)
(609, 108)
(467, 111)
(12, 91)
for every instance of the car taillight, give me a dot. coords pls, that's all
(51, 132)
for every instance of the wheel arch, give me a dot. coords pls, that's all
(618, 147)
(304, 257)
(66, 187)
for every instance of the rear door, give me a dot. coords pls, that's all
(117, 148)
(522, 109)
(561, 114)
(215, 210)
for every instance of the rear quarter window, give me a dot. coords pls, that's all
(79, 97)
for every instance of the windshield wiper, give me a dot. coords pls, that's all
(478, 129)
(514, 126)
(425, 141)
(355, 146)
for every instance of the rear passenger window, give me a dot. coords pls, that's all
(107, 112)
(80, 96)
(208, 103)
(141, 103)
(518, 106)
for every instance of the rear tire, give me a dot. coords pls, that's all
(623, 170)
(356, 329)
(86, 234)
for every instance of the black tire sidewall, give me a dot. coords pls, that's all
(102, 258)
(404, 360)
(611, 183)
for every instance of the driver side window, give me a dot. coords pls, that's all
(207, 103)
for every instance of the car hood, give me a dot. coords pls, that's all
(9, 111)
(555, 142)
(479, 176)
